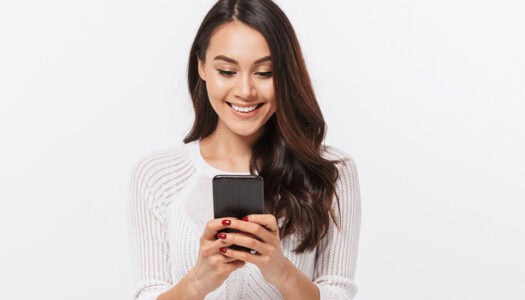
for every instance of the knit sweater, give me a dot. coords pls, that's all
(170, 202)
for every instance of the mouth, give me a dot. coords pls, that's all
(245, 109)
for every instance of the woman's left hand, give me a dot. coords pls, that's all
(269, 258)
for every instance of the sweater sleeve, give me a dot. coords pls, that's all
(337, 251)
(148, 242)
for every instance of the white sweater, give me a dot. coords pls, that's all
(171, 201)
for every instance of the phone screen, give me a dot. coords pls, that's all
(237, 196)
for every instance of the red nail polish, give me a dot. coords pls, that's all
(223, 250)
(221, 235)
(245, 219)
(226, 222)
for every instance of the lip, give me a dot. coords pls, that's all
(243, 115)
(244, 105)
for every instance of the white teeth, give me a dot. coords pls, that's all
(244, 109)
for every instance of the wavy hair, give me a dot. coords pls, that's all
(299, 184)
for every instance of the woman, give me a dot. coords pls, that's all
(255, 113)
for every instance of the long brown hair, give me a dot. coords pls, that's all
(299, 184)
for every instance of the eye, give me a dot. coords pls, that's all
(231, 73)
(265, 74)
(225, 73)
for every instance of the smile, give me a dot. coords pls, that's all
(245, 109)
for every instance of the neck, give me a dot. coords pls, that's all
(225, 143)
(228, 150)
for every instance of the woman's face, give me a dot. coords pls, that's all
(239, 78)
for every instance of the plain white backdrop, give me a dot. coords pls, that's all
(428, 97)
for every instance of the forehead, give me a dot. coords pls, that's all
(238, 41)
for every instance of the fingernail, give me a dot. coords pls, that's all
(245, 219)
(226, 222)
(221, 235)
(223, 250)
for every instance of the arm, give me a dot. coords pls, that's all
(149, 243)
(149, 247)
(297, 285)
(337, 252)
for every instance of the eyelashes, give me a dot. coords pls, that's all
(225, 73)
(229, 74)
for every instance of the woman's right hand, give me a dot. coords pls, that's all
(212, 268)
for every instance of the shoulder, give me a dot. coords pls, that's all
(334, 153)
(168, 165)
(158, 175)
(347, 186)
(156, 160)
(347, 168)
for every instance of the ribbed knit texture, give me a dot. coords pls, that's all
(170, 202)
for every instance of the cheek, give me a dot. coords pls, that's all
(268, 93)
(219, 84)
(217, 89)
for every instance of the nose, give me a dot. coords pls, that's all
(246, 88)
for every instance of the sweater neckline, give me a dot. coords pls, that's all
(202, 164)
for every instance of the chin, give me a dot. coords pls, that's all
(246, 132)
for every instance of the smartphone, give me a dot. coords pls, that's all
(237, 196)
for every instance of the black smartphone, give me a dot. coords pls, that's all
(237, 196)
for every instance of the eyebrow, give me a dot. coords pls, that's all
(233, 61)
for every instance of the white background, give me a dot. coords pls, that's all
(428, 97)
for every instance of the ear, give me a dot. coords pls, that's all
(202, 74)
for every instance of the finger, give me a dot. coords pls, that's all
(218, 259)
(246, 234)
(213, 247)
(242, 255)
(267, 220)
(241, 239)
(226, 259)
(257, 230)
(236, 264)
(229, 260)
(215, 225)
